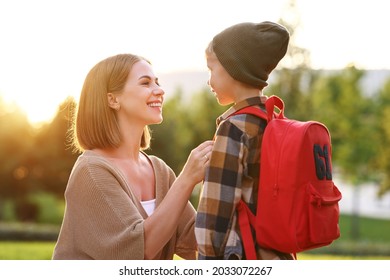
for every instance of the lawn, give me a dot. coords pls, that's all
(373, 244)
(14, 250)
(43, 251)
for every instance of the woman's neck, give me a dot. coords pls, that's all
(129, 148)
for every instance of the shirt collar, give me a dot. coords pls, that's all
(238, 106)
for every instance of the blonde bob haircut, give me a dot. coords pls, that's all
(95, 124)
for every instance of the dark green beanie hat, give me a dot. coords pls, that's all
(250, 51)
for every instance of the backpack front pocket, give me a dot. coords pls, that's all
(324, 213)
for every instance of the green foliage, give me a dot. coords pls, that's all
(40, 159)
(34, 159)
(54, 162)
(382, 110)
(8, 211)
(50, 207)
(44, 207)
(290, 86)
(203, 111)
(185, 126)
(16, 139)
(170, 138)
(338, 102)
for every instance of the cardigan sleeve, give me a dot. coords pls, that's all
(184, 241)
(104, 221)
(102, 218)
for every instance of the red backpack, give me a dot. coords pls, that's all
(297, 205)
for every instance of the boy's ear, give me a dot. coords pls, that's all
(113, 101)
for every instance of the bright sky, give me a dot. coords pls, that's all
(47, 46)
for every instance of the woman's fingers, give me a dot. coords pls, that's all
(204, 150)
(198, 159)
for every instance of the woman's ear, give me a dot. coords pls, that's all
(113, 101)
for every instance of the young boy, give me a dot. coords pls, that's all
(240, 59)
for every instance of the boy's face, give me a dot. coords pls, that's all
(220, 82)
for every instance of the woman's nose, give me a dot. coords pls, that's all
(158, 91)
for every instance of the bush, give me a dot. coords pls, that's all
(7, 211)
(50, 208)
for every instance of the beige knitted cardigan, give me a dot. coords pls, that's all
(104, 220)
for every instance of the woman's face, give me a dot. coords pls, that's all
(142, 97)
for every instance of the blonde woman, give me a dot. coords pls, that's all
(120, 202)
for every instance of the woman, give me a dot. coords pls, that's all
(120, 202)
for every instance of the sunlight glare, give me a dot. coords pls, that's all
(40, 67)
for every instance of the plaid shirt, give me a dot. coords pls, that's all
(233, 174)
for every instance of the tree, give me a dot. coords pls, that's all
(185, 125)
(383, 136)
(293, 77)
(338, 102)
(203, 111)
(170, 138)
(52, 157)
(16, 138)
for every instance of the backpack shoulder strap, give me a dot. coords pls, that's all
(272, 102)
(246, 218)
(251, 110)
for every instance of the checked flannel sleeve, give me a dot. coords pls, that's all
(221, 193)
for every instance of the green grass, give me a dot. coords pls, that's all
(370, 241)
(373, 243)
(44, 250)
(26, 250)
(369, 229)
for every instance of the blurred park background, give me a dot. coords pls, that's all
(354, 103)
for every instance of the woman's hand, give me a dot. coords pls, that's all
(159, 227)
(194, 169)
